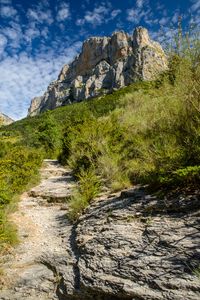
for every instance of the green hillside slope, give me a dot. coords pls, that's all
(147, 133)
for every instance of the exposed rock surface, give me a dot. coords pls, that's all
(139, 247)
(104, 64)
(32, 271)
(127, 246)
(5, 120)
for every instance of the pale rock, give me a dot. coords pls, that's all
(63, 73)
(34, 109)
(104, 64)
(5, 120)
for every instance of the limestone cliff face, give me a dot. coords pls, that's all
(5, 120)
(104, 64)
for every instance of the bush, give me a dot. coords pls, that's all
(183, 177)
(151, 136)
(48, 136)
(148, 132)
(88, 188)
(18, 169)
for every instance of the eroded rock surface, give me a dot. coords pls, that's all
(139, 247)
(127, 246)
(104, 64)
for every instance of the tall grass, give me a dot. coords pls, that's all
(148, 132)
(18, 169)
(152, 136)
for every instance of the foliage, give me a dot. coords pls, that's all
(87, 189)
(151, 136)
(18, 168)
(48, 136)
(183, 176)
(148, 132)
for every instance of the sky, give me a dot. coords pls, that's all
(37, 37)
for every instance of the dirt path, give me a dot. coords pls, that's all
(45, 235)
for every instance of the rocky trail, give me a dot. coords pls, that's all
(44, 233)
(127, 246)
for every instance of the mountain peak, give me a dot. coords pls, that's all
(104, 64)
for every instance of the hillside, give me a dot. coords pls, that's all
(147, 132)
(135, 154)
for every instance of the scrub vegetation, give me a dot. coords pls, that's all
(147, 133)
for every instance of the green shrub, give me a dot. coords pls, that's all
(148, 132)
(18, 169)
(88, 188)
(8, 233)
(153, 131)
(48, 136)
(183, 176)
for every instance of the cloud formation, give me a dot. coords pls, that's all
(139, 11)
(63, 12)
(101, 14)
(195, 5)
(7, 11)
(26, 70)
(24, 77)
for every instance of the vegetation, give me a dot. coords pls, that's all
(148, 132)
(152, 135)
(18, 168)
(22, 149)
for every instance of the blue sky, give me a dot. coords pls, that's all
(38, 37)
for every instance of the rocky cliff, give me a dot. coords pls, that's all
(5, 120)
(104, 64)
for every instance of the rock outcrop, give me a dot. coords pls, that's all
(5, 120)
(137, 246)
(126, 246)
(104, 64)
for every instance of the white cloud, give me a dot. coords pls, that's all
(11, 33)
(45, 32)
(95, 17)
(3, 43)
(14, 35)
(163, 21)
(40, 15)
(9, 2)
(23, 77)
(140, 3)
(7, 11)
(31, 33)
(175, 17)
(195, 5)
(135, 15)
(63, 12)
(115, 13)
(139, 11)
(195, 10)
